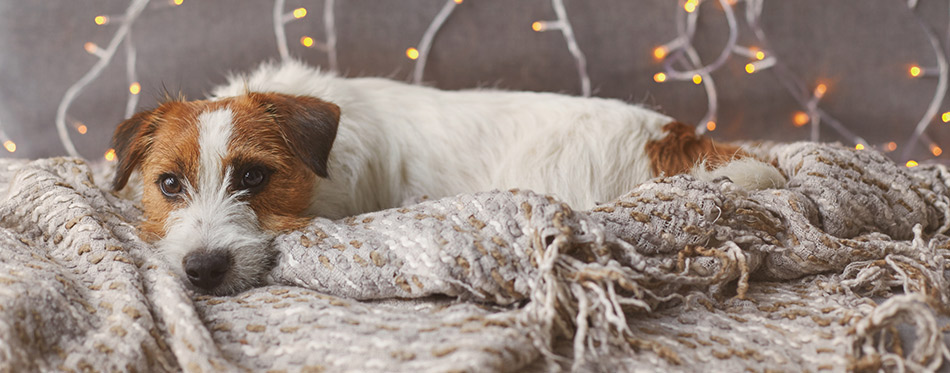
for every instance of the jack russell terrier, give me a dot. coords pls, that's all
(270, 150)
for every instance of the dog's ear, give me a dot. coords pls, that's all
(131, 142)
(308, 125)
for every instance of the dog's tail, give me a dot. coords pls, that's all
(747, 172)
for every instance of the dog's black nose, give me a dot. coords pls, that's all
(207, 269)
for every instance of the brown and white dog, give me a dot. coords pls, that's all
(270, 150)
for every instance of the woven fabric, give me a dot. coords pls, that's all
(679, 275)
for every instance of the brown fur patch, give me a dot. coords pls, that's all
(165, 140)
(682, 149)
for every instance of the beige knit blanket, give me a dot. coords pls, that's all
(846, 268)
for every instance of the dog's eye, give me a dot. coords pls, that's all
(170, 185)
(253, 178)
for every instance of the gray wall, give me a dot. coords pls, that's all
(860, 48)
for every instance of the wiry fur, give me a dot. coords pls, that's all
(397, 141)
(214, 220)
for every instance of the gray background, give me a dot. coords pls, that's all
(860, 48)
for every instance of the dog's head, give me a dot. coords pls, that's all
(221, 178)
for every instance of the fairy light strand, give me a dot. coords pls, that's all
(681, 62)
(132, 13)
(941, 91)
(132, 76)
(329, 26)
(759, 60)
(794, 85)
(279, 32)
(421, 54)
(563, 24)
(281, 19)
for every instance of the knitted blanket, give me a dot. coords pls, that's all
(845, 268)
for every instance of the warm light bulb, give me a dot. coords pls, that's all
(690, 5)
(760, 55)
(749, 68)
(306, 41)
(660, 52)
(936, 150)
(300, 13)
(945, 117)
(915, 71)
(110, 155)
(458, 1)
(177, 2)
(820, 90)
(10, 145)
(537, 26)
(891, 146)
(412, 53)
(101, 20)
(859, 146)
(800, 119)
(135, 88)
(711, 125)
(697, 79)
(659, 77)
(90, 47)
(81, 129)
(911, 163)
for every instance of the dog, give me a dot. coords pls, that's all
(269, 151)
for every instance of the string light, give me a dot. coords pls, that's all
(691, 5)
(91, 47)
(859, 146)
(563, 24)
(280, 32)
(911, 163)
(678, 51)
(110, 155)
(422, 54)
(10, 146)
(800, 119)
(136, 7)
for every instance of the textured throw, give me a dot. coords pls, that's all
(845, 268)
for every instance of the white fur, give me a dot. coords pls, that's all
(397, 141)
(749, 173)
(212, 218)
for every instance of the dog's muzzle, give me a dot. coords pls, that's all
(207, 269)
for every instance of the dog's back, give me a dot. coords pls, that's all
(397, 141)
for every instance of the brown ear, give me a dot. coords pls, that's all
(308, 125)
(131, 142)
